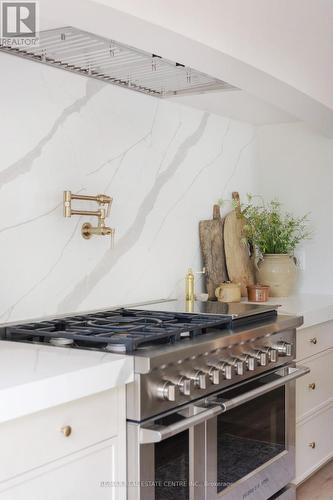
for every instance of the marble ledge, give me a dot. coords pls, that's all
(36, 377)
(314, 308)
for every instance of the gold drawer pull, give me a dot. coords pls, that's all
(66, 430)
(312, 386)
(314, 340)
(312, 444)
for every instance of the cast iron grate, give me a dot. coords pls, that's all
(123, 329)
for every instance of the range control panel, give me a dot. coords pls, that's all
(183, 379)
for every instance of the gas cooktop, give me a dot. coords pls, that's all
(126, 330)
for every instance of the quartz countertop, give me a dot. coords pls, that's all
(34, 377)
(314, 308)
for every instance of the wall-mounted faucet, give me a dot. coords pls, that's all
(88, 230)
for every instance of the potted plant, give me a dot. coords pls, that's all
(274, 234)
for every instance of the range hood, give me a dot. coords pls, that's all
(87, 54)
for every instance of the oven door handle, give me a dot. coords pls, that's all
(293, 374)
(157, 433)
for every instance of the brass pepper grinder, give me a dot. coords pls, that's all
(189, 285)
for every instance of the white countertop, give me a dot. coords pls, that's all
(314, 308)
(35, 377)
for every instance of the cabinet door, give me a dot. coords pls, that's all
(314, 339)
(36, 440)
(87, 475)
(314, 443)
(315, 390)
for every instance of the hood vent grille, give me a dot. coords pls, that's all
(90, 55)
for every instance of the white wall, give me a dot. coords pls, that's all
(295, 165)
(164, 164)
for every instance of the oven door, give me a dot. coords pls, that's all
(236, 445)
(251, 443)
(167, 456)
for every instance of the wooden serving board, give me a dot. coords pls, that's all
(240, 265)
(212, 249)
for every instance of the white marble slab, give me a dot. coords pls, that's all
(165, 165)
(36, 377)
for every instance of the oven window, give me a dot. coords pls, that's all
(250, 435)
(172, 465)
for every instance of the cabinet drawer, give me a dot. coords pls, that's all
(40, 438)
(317, 430)
(78, 477)
(316, 387)
(314, 339)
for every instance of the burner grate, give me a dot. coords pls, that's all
(126, 328)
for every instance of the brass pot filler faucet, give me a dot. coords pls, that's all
(88, 230)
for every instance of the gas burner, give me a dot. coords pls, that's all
(121, 330)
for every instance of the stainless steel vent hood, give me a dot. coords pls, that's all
(90, 55)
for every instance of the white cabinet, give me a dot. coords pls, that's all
(86, 475)
(314, 443)
(75, 451)
(314, 399)
(314, 339)
(314, 391)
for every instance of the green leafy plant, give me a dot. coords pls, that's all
(270, 229)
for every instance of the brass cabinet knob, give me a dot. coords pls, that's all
(312, 386)
(66, 430)
(312, 444)
(314, 340)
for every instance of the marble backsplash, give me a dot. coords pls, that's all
(164, 164)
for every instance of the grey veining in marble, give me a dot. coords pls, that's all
(75, 297)
(25, 164)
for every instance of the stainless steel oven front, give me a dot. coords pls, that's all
(237, 444)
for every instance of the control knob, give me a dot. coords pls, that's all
(271, 353)
(224, 367)
(261, 357)
(200, 379)
(284, 348)
(237, 364)
(185, 385)
(167, 391)
(213, 374)
(249, 360)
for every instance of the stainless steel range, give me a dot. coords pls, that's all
(211, 413)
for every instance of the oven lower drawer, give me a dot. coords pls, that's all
(262, 483)
(239, 444)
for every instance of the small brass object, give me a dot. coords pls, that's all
(314, 340)
(189, 286)
(312, 386)
(88, 230)
(66, 430)
(312, 444)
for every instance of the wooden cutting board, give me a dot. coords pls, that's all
(240, 265)
(212, 249)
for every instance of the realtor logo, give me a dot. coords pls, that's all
(19, 21)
